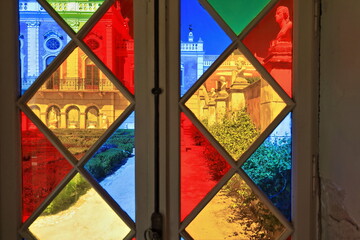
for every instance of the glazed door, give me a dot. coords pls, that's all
(200, 111)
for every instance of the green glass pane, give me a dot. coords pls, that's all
(78, 212)
(235, 213)
(75, 13)
(236, 104)
(238, 14)
(78, 103)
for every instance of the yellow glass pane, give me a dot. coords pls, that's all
(78, 212)
(236, 104)
(234, 213)
(78, 103)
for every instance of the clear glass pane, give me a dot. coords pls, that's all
(201, 166)
(111, 39)
(43, 166)
(271, 43)
(41, 40)
(202, 41)
(235, 104)
(270, 167)
(238, 14)
(78, 212)
(235, 212)
(113, 166)
(78, 103)
(75, 12)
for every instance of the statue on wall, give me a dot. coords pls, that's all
(222, 84)
(282, 17)
(238, 74)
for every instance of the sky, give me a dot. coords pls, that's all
(215, 39)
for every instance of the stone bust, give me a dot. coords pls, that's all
(282, 17)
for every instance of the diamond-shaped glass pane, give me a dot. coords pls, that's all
(201, 166)
(270, 167)
(271, 43)
(113, 166)
(202, 41)
(41, 39)
(235, 104)
(235, 212)
(111, 39)
(75, 12)
(78, 103)
(238, 14)
(43, 166)
(78, 212)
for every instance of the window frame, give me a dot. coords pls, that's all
(305, 117)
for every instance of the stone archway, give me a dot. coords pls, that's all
(73, 117)
(53, 117)
(92, 117)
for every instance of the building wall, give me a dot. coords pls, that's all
(339, 120)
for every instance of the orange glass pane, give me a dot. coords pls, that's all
(78, 212)
(75, 12)
(235, 104)
(271, 43)
(78, 103)
(43, 167)
(235, 212)
(201, 166)
(111, 39)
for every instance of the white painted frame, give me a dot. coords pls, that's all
(305, 118)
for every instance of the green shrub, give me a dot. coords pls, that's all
(112, 155)
(77, 187)
(256, 220)
(235, 133)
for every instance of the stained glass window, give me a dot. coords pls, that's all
(78, 126)
(236, 163)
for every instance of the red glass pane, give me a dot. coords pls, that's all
(43, 167)
(111, 39)
(201, 166)
(271, 43)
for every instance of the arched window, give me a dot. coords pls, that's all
(53, 117)
(54, 80)
(92, 117)
(73, 117)
(92, 75)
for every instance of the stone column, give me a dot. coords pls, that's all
(109, 46)
(62, 120)
(82, 120)
(236, 96)
(212, 113)
(221, 108)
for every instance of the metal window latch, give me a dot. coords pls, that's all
(155, 232)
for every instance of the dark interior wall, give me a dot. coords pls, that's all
(340, 119)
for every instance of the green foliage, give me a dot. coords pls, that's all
(235, 133)
(77, 187)
(112, 155)
(78, 140)
(257, 222)
(270, 168)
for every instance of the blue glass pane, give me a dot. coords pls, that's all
(202, 41)
(270, 167)
(113, 166)
(41, 40)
